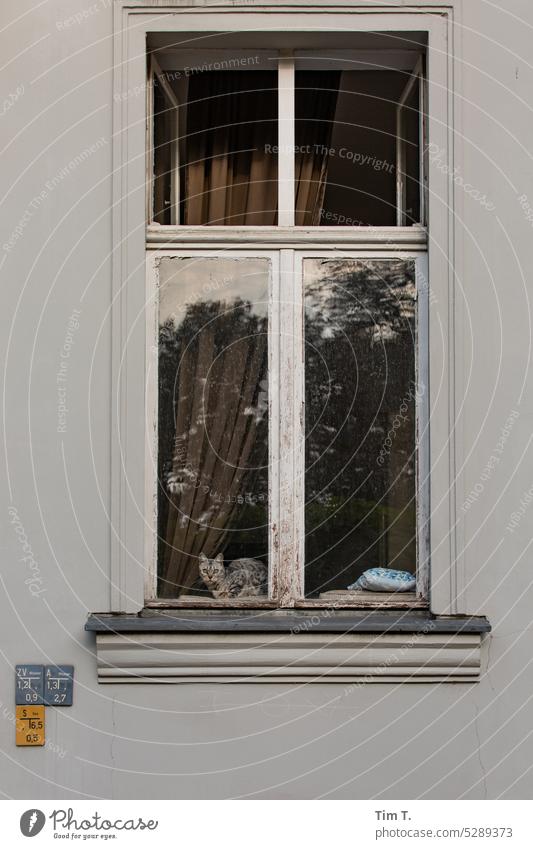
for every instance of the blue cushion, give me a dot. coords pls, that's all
(385, 581)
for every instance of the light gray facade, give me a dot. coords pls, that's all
(57, 256)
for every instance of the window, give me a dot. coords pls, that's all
(302, 263)
(330, 137)
(360, 419)
(290, 398)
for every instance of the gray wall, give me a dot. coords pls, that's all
(404, 741)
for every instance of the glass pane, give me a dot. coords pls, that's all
(346, 129)
(360, 395)
(227, 146)
(213, 427)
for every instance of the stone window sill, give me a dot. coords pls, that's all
(191, 646)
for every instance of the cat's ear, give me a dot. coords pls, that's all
(220, 557)
(202, 558)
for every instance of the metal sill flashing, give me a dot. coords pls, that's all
(289, 621)
(286, 647)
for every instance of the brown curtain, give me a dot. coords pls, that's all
(231, 171)
(216, 435)
(316, 100)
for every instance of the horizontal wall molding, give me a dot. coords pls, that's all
(410, 239)
(180, 658)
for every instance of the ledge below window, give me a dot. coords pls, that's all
(286, 647)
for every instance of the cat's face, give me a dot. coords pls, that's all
(211, 571)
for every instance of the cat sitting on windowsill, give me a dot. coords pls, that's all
(244, 577)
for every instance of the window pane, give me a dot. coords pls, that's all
(213, 426)
(346, 127)
(227, 130)
(360, 395)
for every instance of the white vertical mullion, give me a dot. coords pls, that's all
(288, 578)
(422, 428)
(175, 171)
(299, 425)
(400, 165)
(274, 353)
(286, 141)
(151, 440)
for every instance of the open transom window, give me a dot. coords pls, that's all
(305, 137)
(288, 374)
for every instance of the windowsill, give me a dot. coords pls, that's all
(303, 646)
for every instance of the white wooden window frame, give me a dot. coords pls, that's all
(133, 20)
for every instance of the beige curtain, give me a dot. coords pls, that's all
(216, 431)
(231, 171)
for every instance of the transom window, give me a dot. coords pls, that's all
(288, 378)
(306, 137)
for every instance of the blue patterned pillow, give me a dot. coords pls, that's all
(385, 581)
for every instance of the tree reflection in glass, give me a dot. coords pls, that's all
(212, 416)
(360, 397)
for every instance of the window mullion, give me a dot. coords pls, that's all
(289, 583)
(299, 425)
(286, 141)
(422, 428)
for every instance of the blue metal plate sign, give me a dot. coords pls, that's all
(58, 685)
(29, 684)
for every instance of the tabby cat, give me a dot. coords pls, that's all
(243, 577)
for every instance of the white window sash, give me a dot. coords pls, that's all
(416, 76)
(155, 72)
(422, 492)
(151, 446)
(286, 65)
(287, 428)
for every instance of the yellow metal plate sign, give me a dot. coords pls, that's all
(29, 725)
